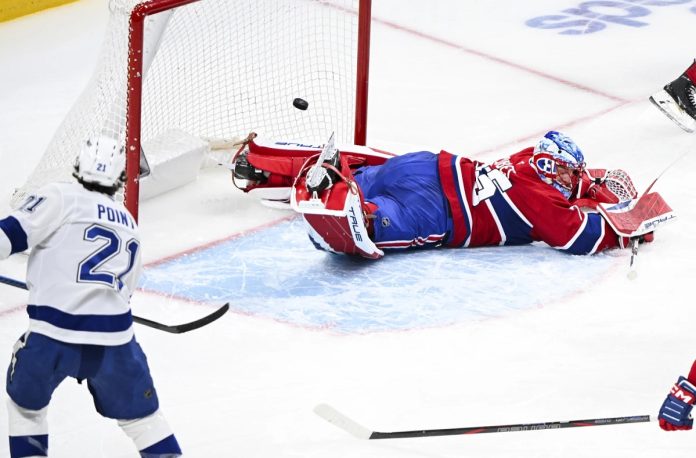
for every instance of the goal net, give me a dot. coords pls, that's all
(217, 69)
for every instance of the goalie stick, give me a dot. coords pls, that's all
(174, 329)
(338, 419)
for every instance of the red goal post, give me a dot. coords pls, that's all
(216, 69)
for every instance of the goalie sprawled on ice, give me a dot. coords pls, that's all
(362, 201)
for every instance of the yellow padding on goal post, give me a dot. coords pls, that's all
(11, 9)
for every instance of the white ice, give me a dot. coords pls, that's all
(469, 77)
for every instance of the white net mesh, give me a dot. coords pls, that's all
(620, 183)
(223, 68)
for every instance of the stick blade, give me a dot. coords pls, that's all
(185, 327)
(339, 420)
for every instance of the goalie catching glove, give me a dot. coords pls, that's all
(605, 186)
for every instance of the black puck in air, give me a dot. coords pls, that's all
(300, 104)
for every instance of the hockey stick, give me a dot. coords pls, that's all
(335, 417)
(174, 328)
(632, 272)
(184, 327)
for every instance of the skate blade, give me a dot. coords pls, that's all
(664, 102)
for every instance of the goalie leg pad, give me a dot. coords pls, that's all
(336, 218)
(344, 232)
(282, 162)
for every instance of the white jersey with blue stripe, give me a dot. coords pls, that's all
(84, 263)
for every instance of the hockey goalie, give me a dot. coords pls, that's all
(362, 201)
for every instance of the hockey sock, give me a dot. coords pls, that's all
(28, 431)
(166, 448)
(691, 72)
(24, 446)
(152, 436)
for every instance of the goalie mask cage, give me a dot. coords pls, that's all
(218, 69)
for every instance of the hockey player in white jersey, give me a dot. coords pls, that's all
(83, 268)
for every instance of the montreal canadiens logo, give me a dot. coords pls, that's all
(546, 165)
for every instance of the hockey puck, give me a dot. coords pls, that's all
(300, 104)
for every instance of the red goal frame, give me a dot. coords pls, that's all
(135, 71)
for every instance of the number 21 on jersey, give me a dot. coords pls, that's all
(92, 269)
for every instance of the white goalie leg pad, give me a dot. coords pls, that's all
(146, 431)
(25, 422)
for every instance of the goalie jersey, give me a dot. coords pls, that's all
(84, 264)
(505, 203)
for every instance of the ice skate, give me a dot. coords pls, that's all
(243, 170)
(240, 165)
(678, 102)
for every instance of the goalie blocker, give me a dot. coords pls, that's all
(638, 217)
(612, 194)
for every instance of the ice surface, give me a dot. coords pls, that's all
(276, 273)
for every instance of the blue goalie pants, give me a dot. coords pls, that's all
(413, 211)
(118, 377)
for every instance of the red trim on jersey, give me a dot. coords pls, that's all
(418, 241)
(448, 179)
(691, 72)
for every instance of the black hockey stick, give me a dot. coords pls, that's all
(335, 417)
(184, 327)
(174, 328)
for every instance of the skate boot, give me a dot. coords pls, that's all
(678, 100)
(243, 170)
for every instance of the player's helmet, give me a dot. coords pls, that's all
(559, 162)
(101, 162)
